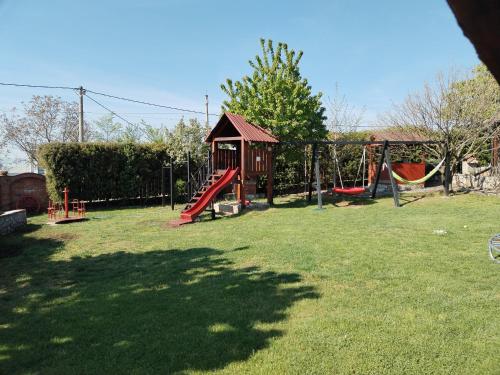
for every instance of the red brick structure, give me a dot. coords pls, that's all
(25, 190)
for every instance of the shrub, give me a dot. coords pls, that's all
(103, 171)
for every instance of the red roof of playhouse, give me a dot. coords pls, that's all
(249, 132)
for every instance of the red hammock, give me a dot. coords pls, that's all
(349, 191)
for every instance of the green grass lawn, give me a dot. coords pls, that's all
(353, 289)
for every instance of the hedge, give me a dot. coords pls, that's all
(102, 171)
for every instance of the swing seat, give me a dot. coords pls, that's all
(349, 191)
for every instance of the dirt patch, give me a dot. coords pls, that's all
(351, 204)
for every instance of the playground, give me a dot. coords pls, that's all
(291, 289)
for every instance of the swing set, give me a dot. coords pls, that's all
(384, 163)
(349, 190)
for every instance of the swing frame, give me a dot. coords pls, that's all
(384, 156)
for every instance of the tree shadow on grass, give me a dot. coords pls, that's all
(143, 313)
(15, 243)
(337, 201)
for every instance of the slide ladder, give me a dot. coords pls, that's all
(207, 193)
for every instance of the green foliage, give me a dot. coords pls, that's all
(95, 171)
(106, 129)
(276, 96)
(180, 187)
(188, 137)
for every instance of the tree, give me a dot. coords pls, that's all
(343, 117)
(155, 134)
(276, 96)
(456, 111)
(106, 129)
(132, 133)
(45, 119)
(188, 137)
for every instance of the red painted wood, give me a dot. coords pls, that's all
(210, 194)
(409, 171)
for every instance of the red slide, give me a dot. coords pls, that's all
(214, 189)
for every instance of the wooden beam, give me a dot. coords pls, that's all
(394, 185)
(226, 139)
(379, 169)
(361, 143)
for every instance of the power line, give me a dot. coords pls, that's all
(150, 104)
(38, 86)
(109, 96)
(111, 111)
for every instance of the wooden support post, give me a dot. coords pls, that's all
(311, 175)
(379, 169)
(270, 174)
(242, 173)
(318, 184)
(394, 185)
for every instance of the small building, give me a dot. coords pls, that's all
(23, 191)
(406, 169)
(236, 143)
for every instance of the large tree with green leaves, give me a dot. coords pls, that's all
(276, 96)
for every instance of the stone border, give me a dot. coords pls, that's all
(11, 220)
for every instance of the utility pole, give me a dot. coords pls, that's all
(80, 122)
(206, 109)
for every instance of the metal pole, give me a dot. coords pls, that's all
(311, 176)
(66, 199)
(163, 185)
(318, 184)
(206, 109)
(80, 121)
(171, 183)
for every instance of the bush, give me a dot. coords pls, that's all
(103, 171)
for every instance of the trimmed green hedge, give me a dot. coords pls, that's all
(102, 171)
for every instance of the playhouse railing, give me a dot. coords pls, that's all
(198, 178)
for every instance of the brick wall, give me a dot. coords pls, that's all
(26, 190)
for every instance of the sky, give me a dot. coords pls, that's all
(173, 52)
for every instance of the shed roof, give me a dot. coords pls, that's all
(396, 135)
(249, 132)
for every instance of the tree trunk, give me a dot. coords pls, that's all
(447, 173)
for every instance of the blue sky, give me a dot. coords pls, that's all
(173, 52)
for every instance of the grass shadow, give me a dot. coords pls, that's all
(163, 311)
(404, 200)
